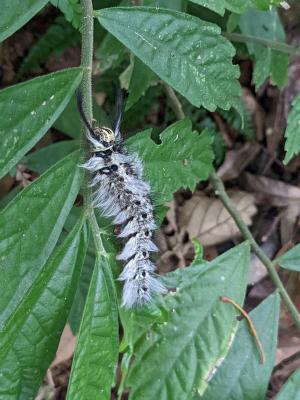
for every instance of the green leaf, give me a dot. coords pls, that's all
(291, 389)
(183, 158)
(110, 53)
(112, 246)
(32, 334)
(40, 160)
(55, 40)
(218, 146)
(292, 133)
(69, 121)
(179, 5)
(280, 65)
(242, 375)
(219, 6)
(243, 126)
(142, 78)
(268, 62)
(10, 195)
(125, 76)
(71, 10)
(291, 259)
(174, 359)
(29, 229)
(96, 355)
(15, 13)
(30, 108)
(266, 4)
(82, 290)
(232, 22)
(178, 48)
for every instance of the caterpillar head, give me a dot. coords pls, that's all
(105, 138)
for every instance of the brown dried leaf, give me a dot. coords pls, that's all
(237, 160)
(208, 220)
(66, 347)
(291, 280)
(22, 176)
(271, 191)
(276, 122)
(171, 217)
(257, 112)
(288, 219)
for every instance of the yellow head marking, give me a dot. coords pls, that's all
(106, 136)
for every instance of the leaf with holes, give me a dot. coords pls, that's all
(189, 54)
(181, 160)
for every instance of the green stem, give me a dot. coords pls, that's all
(87, 57)
(221, 193)
(240, 38)
(87, 104)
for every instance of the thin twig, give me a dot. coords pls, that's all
(221, 193)
(251, 326)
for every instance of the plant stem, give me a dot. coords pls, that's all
(221, 193)
(87, 58)
(87, 104)
(283, 47)
(175, 103)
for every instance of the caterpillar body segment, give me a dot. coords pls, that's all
(120, 192)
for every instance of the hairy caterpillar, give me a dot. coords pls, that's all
(120, 192)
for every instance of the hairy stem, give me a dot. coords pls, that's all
(241, 38)
(87, 56)
(221, 193)
(87, 105)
